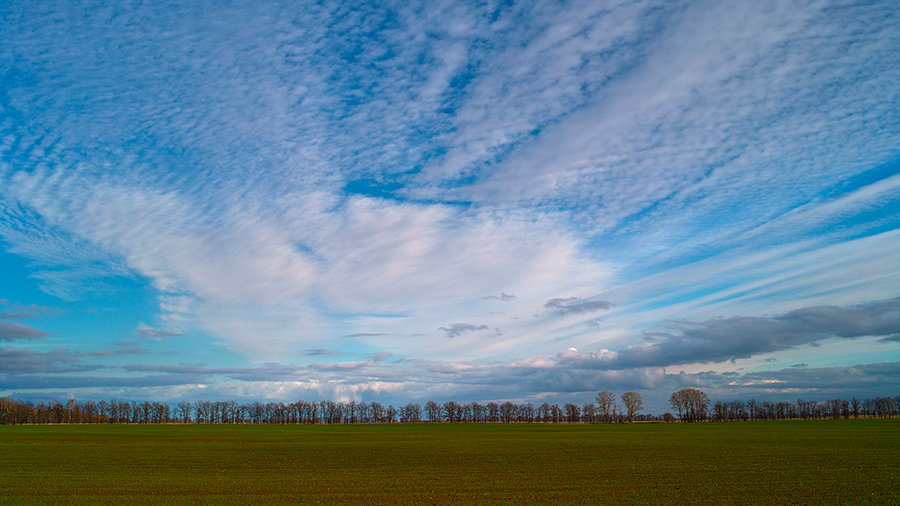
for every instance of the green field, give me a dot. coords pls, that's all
(773, 462)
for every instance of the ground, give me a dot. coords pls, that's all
(751, 462)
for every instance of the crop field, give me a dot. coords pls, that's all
(772, 462)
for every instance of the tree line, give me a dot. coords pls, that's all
(689, 405)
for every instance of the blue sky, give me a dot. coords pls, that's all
(450, 200)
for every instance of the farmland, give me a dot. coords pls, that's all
(794, 461)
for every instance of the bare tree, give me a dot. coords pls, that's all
(411, 413)
(720, 411)
(493, 412)
(433, 411)
(737, 410)
(377, 411)
(451, 411)
(479, 412)
(690, 403)
(183, 412)
(507, 412)
(588, 413)
(573, 412)
(633, 403)
(606, 406)
(556, 413)
(543, 412)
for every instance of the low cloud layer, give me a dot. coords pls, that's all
(557, 379)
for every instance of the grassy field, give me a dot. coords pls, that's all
(772, 462)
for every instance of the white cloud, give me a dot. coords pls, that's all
(242, 273)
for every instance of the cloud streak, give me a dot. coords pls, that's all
(574, 305)
(24, 360)
(458, 329)
(11, 331)
(151, 333)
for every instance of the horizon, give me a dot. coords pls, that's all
(452, 201)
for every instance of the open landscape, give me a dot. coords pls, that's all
(749, 462)
(450, 251)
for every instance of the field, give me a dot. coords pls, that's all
(772, 462)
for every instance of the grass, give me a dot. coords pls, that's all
(753, 462)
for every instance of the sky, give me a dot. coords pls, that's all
(467, 201)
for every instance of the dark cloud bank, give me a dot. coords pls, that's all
(744, 336)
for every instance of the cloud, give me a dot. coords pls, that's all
(860, 380)
(10, 331)
(594, 323)
(458, 329)
(201, 374)
(366, 334)
(320, 351)
(744, 336)
(238, 289)
(568, 376)
(502, 297)
(184, 369)
(153, 333)
(646, 123)
(130, 350)
(13, 315)
(574, 305)
(29, 311)
(24, 360)
(106, 382)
